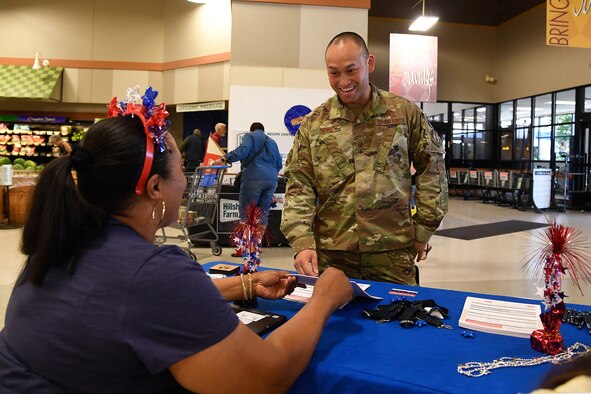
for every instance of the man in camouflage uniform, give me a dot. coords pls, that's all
(349, 183)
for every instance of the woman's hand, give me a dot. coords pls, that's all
(273, 284)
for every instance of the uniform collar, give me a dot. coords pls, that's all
(376, 107)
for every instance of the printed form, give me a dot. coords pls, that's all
(501, 317)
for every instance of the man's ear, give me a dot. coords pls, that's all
(371, 63)
(153, 187)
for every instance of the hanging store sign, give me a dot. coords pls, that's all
(43, 119)
(413, 67)
(211, 106)
(568, 23)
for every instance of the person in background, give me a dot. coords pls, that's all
(218, 133)
(98, 308)
(193, 150)
(65, 147)
(260, 162)
(347, 202)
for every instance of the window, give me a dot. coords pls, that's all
(506, 145)
(462, 145)
(587, 103)
(472, 130)
(482, 145)
(564, 129)
(522, 144)
(542, 141)
(543, 110)
(506, 115)
(436, 111)
(483, 117)
(523, 113)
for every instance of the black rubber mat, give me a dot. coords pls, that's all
(489, 229)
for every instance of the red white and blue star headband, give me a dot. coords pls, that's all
(154, 120)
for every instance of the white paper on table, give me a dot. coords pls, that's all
(501, 317)
(304, 294)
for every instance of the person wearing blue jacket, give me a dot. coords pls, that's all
(261, 162)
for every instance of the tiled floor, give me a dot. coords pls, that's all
(488, 265)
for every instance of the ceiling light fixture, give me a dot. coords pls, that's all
(423, 23)
(197, 1)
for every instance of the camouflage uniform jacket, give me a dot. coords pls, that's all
(349, 182)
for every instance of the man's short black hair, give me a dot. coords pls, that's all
(349, 35)
(257, 126)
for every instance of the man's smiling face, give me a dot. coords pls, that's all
(348, 73)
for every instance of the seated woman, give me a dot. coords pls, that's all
(98, 308)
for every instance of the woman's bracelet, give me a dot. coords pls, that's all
(250, 286)
(244, 295)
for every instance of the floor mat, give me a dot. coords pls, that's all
(489, 229)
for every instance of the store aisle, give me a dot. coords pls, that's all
(488, 265)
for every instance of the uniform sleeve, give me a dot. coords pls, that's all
(174, 310)
(299, 208)
(243, 150)
(427, 155)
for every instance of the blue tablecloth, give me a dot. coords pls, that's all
(357, 355)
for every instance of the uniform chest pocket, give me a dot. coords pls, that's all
(331, 163)
(392, 150)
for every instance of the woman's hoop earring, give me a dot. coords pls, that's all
(161, 214)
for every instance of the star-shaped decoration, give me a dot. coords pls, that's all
(133, 94)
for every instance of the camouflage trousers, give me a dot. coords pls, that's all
(395, 266)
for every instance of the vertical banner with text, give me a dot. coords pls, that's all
(568, 23)
(413, 67)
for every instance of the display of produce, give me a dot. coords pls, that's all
(21, 164)
(33, 141)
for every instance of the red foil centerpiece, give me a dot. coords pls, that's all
(563, 251)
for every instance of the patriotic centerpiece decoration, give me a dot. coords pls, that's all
(248, 237)
(563, 251)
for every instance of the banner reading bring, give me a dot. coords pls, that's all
(568, 23)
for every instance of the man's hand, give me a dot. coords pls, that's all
(422, 250)
(218, 162)
(306, 262)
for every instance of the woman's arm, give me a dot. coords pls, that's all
(244, 362)
(242, 151)
(269, 284)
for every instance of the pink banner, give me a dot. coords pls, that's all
(413, 67)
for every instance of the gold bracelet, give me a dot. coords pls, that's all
(250, 286)
(245, 298)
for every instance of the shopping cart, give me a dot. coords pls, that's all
(197, 213)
